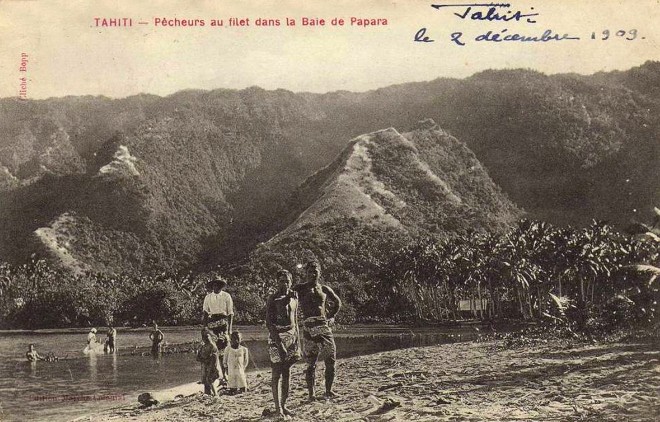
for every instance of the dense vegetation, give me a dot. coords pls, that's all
(37, 295)
(586, 277)
(124, 197)
(213, 166)
(582, 278)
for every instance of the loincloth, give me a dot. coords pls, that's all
(218, 324)
(291, 343)
(319, 341)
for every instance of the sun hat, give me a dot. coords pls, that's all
(219, 281)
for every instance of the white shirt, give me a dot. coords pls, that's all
(218, 303)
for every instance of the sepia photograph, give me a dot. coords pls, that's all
(309, 210)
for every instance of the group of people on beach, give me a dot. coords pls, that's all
(224, 359)
(222, 356)
(318, 304)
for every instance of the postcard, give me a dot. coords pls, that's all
(329, 210)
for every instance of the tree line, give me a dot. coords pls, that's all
(587, 277)
(591, 275)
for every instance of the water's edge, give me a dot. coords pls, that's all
(187, 389)
(164, 381)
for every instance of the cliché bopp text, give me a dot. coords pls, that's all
(22, 86)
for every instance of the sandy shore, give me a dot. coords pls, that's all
(453, 382)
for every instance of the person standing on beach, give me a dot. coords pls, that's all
(283, 338)
(235, 361)
(218, 313)
(209, 356)
(319, 342)
(156, 336)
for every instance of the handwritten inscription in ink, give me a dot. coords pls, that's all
(492, 15)
(498, 13)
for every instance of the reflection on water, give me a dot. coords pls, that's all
(93, 372)
(82, 384)
(114, 367)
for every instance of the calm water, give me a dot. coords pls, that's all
(81, 384)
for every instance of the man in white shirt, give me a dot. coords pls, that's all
(219, 312)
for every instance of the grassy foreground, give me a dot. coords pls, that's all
(546, 381)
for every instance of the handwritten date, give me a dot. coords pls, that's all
(622, 33)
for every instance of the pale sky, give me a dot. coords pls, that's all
(68, 55)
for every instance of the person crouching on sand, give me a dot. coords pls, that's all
(236, 358)
(209, 356)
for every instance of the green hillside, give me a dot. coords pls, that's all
(200, 177)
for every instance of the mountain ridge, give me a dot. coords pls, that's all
(214, 166)
(381, 177)
(384, 191)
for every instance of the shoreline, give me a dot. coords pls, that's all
(553, 379)
(403, 326)
(411, 326)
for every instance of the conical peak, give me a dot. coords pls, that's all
(379, 134)
(427, 124)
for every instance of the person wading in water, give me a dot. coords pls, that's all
(319, 342)
(156, 336)
(112, 339)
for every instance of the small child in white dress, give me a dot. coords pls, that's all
(235, 361)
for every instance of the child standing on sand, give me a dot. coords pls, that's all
(208, 356)
(235, 361)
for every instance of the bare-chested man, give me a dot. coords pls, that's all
(283, 339)
(32, 355)
(318, 314)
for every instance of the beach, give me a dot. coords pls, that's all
(474, 381)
